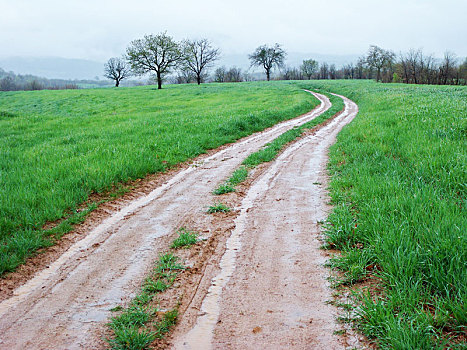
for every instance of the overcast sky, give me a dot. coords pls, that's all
(99, 29)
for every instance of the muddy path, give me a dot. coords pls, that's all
(271, 289)
(63, 306)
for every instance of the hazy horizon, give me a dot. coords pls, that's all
(95, 31)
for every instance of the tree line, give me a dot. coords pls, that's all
(161, 55)
(10, 81)
(191, 60)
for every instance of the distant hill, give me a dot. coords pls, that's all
(53, 67)
(66, 68)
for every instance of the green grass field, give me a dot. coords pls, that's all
(398, 180)
(58, 147)
(399, 189)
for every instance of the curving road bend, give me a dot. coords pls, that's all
(271, 291)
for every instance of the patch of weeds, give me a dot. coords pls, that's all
(340, 332)
(218, 208)
(131, 338)
(238, 176)
(185, 239)
(168, 262)
(158, 285)
(224, 188)
(129, 328)
(133, 316)
(169, 319)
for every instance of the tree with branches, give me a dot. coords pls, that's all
(157, 54)
(198, 56)
(309, 67)
(379, 59)
(117, 69)
(268, 57)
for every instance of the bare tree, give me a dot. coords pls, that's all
(332, 71)
(233, 75)
(379, 59)
(198, 56)
(324, 71)
(291, 73)
(219, 74)
(184, 76)
(116, 69)
(268, 57)
(309, 67)
(447, 68)
(156, 54)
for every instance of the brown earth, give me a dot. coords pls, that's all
(66, 305)
(271, 290)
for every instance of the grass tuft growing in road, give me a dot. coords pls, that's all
(237, 177)
(218, 208)
(185, 239)
(134, 328)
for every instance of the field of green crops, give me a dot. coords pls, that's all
(399, 175)
(58, 147)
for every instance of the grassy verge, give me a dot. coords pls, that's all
(58, 147)
(399, 194)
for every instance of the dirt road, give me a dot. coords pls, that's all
(64, 305)
(271, 290)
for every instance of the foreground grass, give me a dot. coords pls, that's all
(399, 190)
(58, 147)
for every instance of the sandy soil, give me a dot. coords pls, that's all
(66, 305)
(271, 290)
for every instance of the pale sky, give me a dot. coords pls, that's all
(99, 29)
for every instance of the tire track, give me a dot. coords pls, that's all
(271, 290)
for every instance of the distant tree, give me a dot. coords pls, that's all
(379, 59)
(117, 69)
(156, 54)
(219, 74)
(463, 72)
(184, 76)
(324, 71)
(198, 56)
(268, 57)
(222, 75)
(33, 85)
(332, 71)
(447, 68)
(360, 68)
(7, 84)
(291, 73)
(309, 67)
(233, 75)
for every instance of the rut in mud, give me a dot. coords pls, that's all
(271, 290)
(64, 305)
